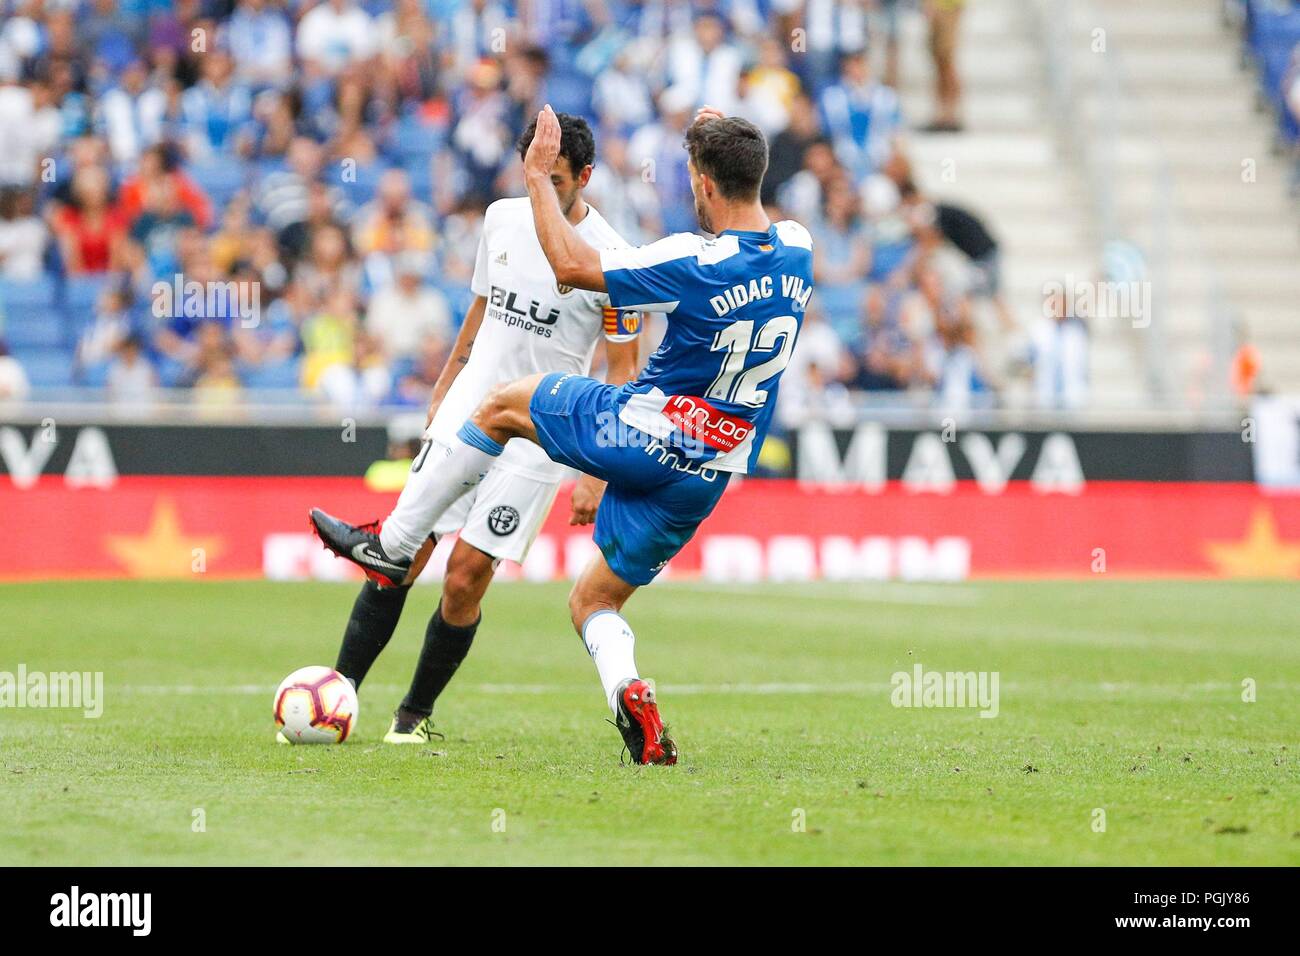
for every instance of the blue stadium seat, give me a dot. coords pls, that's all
(401, 367)
(416, 140)
(171, 373)
(566, 58)
(262, 168)
(278, 375)
(46, 367)
(459, 297)
(38, 293)
(277, 396)
(842, 307)
(363, 190)
(570, 93)
(34, 327)
(220, 180)
(80, 293)
(94, 376)
(421, 175)
(76, 321)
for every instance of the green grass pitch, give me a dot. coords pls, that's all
(1118, 697)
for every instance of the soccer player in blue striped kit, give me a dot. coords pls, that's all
(666, 443)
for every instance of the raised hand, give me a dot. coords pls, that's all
(706, 113)
(545, 147)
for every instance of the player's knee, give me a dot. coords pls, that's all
(462, 588)
(492, 407)
(583, 603)
(499, 412)
(576, 606)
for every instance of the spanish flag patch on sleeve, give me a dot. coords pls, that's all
(621, 323)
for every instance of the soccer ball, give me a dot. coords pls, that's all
(316, 705)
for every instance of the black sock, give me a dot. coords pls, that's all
(374, 618)
(445, 646)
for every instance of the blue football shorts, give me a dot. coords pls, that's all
(655, 498)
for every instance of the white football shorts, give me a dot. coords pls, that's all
(502, 514)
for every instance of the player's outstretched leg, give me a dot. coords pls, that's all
(595, 605)
(371, 624)
(440, 474)
(370, 627)
(446, 643)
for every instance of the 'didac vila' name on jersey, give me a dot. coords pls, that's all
(792, 287)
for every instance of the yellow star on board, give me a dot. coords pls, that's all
(163, 551)
(1261, 554)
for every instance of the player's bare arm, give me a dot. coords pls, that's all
(621, 362)
(459, 356)
(573, 261)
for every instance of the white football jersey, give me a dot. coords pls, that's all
(531, 323)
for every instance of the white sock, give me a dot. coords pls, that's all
(610, 641)
(444, 474)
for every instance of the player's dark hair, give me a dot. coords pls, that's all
(577, 145)
(730, 151)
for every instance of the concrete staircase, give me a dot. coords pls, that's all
(1193, 181)
(1156, 142)
(1235, 222)
(1008, 165)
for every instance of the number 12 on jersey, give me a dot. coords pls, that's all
(740, 385)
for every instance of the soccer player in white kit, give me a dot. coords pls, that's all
(521, 322)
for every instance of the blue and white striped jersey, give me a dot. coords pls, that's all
(734, 306)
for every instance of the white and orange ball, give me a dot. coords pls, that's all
(316, 705)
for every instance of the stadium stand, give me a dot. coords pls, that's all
(1197, 182)
(248, 147)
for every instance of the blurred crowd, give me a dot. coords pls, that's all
(335, 158)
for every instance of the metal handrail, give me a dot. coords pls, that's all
(1093, 141)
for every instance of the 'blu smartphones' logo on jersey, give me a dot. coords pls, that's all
(508, 302)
